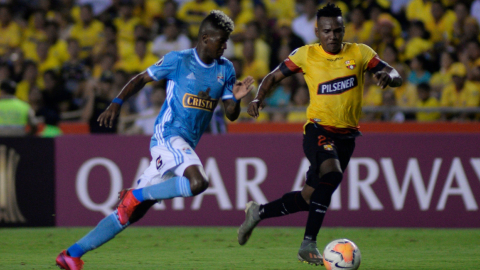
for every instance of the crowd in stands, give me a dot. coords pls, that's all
(70, 58)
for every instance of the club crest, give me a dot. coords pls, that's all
(159, 162)
(350, 64)
(327, 147)
(220, 78)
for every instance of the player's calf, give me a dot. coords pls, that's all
(198, 185)
(197, 179)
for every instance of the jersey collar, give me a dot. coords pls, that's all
(200, 61)
(331, 54)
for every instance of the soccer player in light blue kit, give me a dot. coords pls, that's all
(197, 79)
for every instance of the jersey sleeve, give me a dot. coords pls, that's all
(229, 82)
(164, 67)
(294, 62)
(370, 59)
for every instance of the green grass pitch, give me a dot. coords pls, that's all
(217, 248)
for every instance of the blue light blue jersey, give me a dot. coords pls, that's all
(187, 112)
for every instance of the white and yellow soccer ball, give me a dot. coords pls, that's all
(341, 254)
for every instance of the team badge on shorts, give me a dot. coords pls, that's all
(159, 162)
(328, 147)
(350, 64)
(187, 150)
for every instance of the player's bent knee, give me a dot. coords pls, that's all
(198, 185)
(332, 178)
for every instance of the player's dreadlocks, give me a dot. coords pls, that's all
(330, 10)
(218, 19)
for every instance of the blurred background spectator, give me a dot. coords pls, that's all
(68, 58)
(15, 115)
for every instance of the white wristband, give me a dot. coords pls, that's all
(255, 100)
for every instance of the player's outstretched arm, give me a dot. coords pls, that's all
(130, 89)
(267, 84)
(388, 76)
(240, 90)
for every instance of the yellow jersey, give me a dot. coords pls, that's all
(87, 36)
(126, 28)
(373, 96)
(406, 95)
(257, 69)
(416, 46)
(431, 102)
(59, 51)
(152, 10)
(335, 81)
(443, 29)
(242, 19)
(361, 34)
(280, 9)
(468, 96)
(418, 10)
(10, 37)
(193, 13)
(135, 64)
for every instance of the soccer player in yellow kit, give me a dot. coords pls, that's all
(334, 72)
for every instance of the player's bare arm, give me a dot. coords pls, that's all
(130, 89)
(388, 76)
(267, 84)
(240, 90)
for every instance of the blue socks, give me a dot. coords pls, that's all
(106, 229)
(75, 251)
(178, 186)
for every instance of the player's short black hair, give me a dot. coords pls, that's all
(330, 10)
(219, 20)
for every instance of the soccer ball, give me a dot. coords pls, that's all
(341, 254)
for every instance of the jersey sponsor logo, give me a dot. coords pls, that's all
(187, 150)
(335, 59)
(350, 64)
(196, 102)
(328, 147)
(337, 86)
(159, 62)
